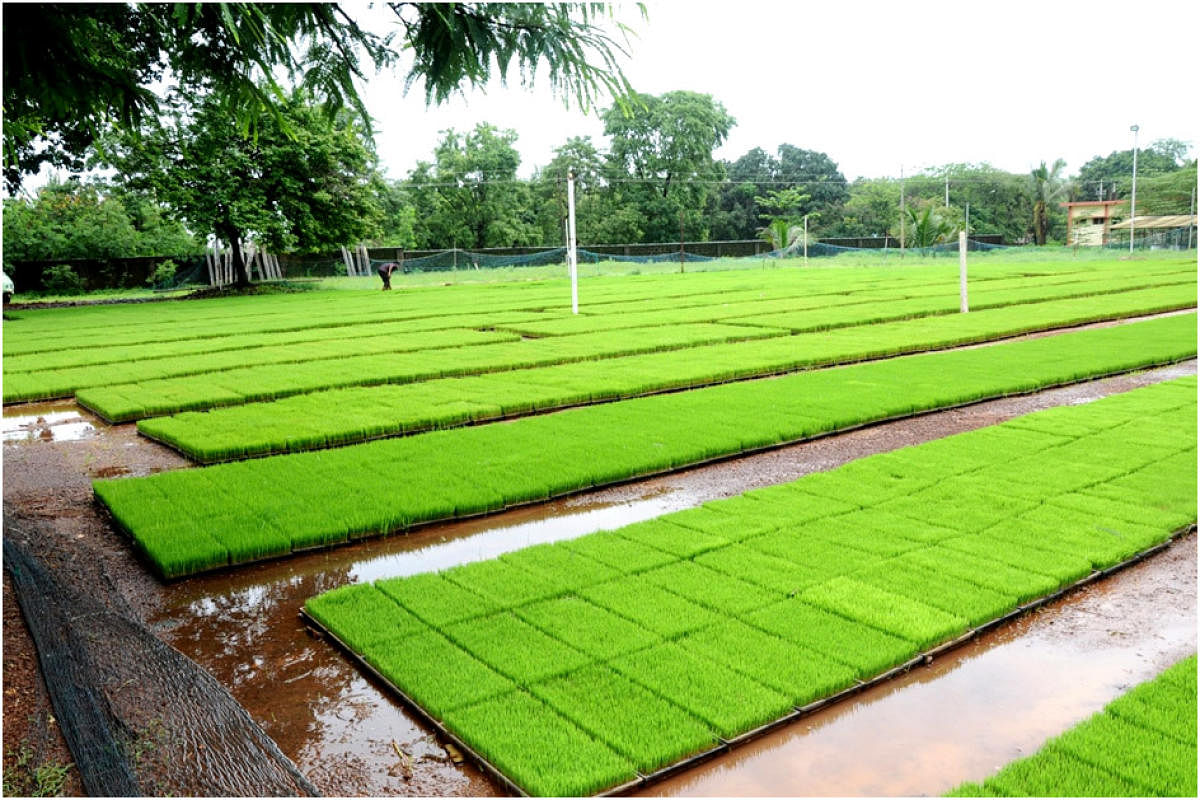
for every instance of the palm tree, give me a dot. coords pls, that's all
(927, 228)
(781, 234)
(1048, 185)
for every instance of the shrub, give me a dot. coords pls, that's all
(61, 279)
(163, 275)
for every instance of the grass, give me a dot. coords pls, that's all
(644, 645)
(1141, 744)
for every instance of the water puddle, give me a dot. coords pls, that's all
(975, 709)
(45, 423)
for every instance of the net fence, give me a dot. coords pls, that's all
(140, 718)
(456, 259)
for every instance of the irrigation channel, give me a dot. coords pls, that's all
(971, 710)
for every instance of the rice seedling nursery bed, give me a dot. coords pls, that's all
(579, 666)
(126, 402)
(591, 664)
(338, 417)
(151, 356)
(1143, 744)
(202, 519)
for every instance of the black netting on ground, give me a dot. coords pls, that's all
(140, 717)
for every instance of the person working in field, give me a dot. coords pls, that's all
(385, 272)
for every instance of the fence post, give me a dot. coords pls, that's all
(572, 255)
(962, 271)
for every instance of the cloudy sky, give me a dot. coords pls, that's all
(879, 86)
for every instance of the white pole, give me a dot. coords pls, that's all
(947, 191)
(572, 262)
(806, 240)
(902, 211)
(962, 271)
(1133, 195)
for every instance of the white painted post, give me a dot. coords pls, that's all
(1133, 194)
(806, 240)
(208, 262)
(572, 262)
(962, 271)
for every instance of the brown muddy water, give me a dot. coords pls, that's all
(959, 718)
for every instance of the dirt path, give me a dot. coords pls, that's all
(340, 728)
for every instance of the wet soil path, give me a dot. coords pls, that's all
(343, 730)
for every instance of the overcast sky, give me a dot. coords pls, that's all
(878, 86)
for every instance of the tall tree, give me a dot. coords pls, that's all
(578, 154)
(661, 160)
(1048, 184)
(302, 185)
(737, 214)
(815, 174)
(1111, 177)
(472, 195)
(71, 70)
(75, 220)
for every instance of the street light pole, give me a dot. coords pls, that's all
(1133, 194)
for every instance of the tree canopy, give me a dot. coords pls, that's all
(301, 185)
(75, 220)
(73, 70)
(1110, 177)
(470, 196)
(660, 162)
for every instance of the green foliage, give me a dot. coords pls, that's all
(163, 275)
(88, 221)
(1111, 177)
(809, 180)
(69, 72)
(927, 226)
(300, 183)
(61, 279)
(664, 144)
(1048, 186)
(30, 777)
(470, 197)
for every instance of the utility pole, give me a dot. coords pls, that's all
(901, 211)
(947, 191)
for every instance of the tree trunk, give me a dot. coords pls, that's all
(1039, 222)
(239, 263)
(241, 272)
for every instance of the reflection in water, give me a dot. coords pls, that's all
(975, 709)
(450, 552)
(51, 426)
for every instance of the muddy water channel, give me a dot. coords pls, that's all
(958, 718)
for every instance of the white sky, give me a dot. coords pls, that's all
(876, 85)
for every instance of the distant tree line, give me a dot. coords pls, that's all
(231, 149)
